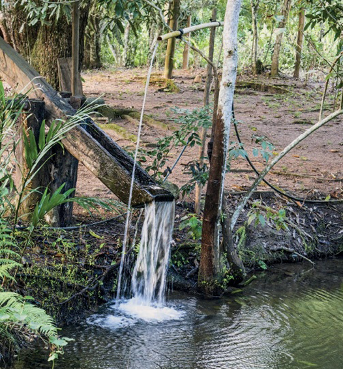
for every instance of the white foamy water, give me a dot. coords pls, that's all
(138, 309)
(149, 276)
(148, 282)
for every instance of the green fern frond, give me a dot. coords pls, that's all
(15, 309)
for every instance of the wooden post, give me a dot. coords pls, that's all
(60, 167)
(75, 48)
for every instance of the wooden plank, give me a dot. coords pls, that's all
(88, 143)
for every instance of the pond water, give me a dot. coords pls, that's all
(289, 317)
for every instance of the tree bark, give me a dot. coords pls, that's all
(254, 10)
(279, 37)
(186, 47)
(206, 98)
(209, 276)
(92, 41)
(173, 23)
(299, 43)
(41, 45)
(126, 45)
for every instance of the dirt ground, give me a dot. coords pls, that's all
(313, 169)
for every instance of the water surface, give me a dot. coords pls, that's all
(290, 317)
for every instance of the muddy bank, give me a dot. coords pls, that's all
(270, 230)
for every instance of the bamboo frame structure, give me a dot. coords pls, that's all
(181, 32)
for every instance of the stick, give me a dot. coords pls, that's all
(326, 85)
(276, 160)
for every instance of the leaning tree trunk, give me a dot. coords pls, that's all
(279, 37)
(186, 51)
(206, 96)
(209, 276)
(254, 10)
(171, 43)
(41, 45)
(299, 43)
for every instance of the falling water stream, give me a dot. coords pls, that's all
(149, 275)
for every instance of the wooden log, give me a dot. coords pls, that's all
(86, 142)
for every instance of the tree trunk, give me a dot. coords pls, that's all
(206, 96)
(92, 41)
(279, 37)
(154, 33)
(41, 45)
(254, 10)
(173, 23)
(299, 43)
(210, 277)
(126, 45)
(186, 46)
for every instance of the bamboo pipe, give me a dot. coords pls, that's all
(181, 32)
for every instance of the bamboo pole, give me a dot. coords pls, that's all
(181, 32)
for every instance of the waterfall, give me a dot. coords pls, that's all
(149, 275)
(128, 217)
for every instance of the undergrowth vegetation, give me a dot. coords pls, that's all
(24, 263)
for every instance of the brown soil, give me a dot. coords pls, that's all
(313, 168)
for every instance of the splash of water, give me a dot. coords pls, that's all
(128, 217)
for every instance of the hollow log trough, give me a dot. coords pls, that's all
(86, 142)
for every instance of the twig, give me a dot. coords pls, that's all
(292, 251)
(93, 286)
(326, 85)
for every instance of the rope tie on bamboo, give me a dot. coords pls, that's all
(181, 33)
(214, 20)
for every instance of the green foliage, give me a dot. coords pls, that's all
(260, 214)
(8, 256)
(189, 124)
(326, 12)
(194, 225)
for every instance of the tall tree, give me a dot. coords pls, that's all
(186, 50)
(173, 23)
(206, 101)
(209, 276)
(254, 11)
(279, 37)
(299, 43)
(41, 39)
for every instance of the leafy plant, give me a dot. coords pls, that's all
(260, 214)
(189, 123)
(194, 225)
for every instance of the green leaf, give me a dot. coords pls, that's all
(93, 234)
(261, 220)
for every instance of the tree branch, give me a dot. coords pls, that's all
(276, 160)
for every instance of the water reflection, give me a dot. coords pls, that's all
(290, 317)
